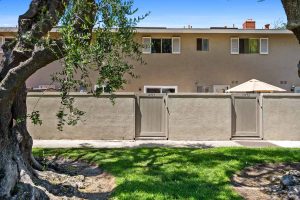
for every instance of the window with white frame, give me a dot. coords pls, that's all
(202, 44)
(249, 46)
(160, 89)
(161, 45)
(264, 46)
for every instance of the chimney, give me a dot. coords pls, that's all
(267, 26)
(249, 24)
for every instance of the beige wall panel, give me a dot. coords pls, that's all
(281, 117)
(103, 120)
(199, 117)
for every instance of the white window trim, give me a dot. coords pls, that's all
(179, 52)
(235, 53)
(2, 42)
(260, 50)
(160, 87)
(150, 45)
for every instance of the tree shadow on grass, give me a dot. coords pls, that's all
(73, 179)
(177, 173)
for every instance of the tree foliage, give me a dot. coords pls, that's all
(95, 37)
(106, 50)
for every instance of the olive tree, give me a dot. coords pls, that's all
(96, 36)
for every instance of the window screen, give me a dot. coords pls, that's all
(264, 46)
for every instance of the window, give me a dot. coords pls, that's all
(146, 45)
(160, 89)
(234, 45)
(156, 46)
(166, 45)
(161, 45)
(264, 46)
(249, 46)
(202, 44)
(176, 45)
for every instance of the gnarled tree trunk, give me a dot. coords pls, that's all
(292, 10)
(22, 59)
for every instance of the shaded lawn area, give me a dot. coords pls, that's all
(175, 173)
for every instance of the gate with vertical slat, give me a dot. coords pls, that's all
(151, 116)
(246, 115)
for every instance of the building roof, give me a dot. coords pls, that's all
(149, 30)
(213, 31)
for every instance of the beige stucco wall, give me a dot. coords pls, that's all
(215, 67)
(102, 121)
(190, 117)
(281, 114)
(199, 117)
(218, 66)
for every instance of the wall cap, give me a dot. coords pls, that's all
(78, 94)
(199, 95)
(281, 95)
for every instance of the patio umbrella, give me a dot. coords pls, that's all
(255, 86)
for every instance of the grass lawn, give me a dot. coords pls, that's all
(175, 173)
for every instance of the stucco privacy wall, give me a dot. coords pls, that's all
(281, 116)
(199, 116)
(102, 121)
(190, 117)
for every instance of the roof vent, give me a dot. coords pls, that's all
(267, 26)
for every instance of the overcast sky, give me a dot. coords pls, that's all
(179, 13)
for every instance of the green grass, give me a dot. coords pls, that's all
(175, 173)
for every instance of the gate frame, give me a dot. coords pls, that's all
(259, 114)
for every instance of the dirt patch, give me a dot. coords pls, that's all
(66, 179)
(262, 181)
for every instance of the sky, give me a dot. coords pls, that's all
(180, 13)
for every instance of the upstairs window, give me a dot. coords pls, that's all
(249, 46)
(202, 44)
(161, 45)
(156, 46)
(166, 45)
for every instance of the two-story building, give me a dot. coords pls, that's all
(202, 60)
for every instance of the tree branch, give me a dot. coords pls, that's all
(18, 75)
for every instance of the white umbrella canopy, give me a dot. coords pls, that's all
(255, 86)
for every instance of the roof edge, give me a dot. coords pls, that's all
(152, 30)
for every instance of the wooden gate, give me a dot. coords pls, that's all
(151, 116)
(246, 115)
